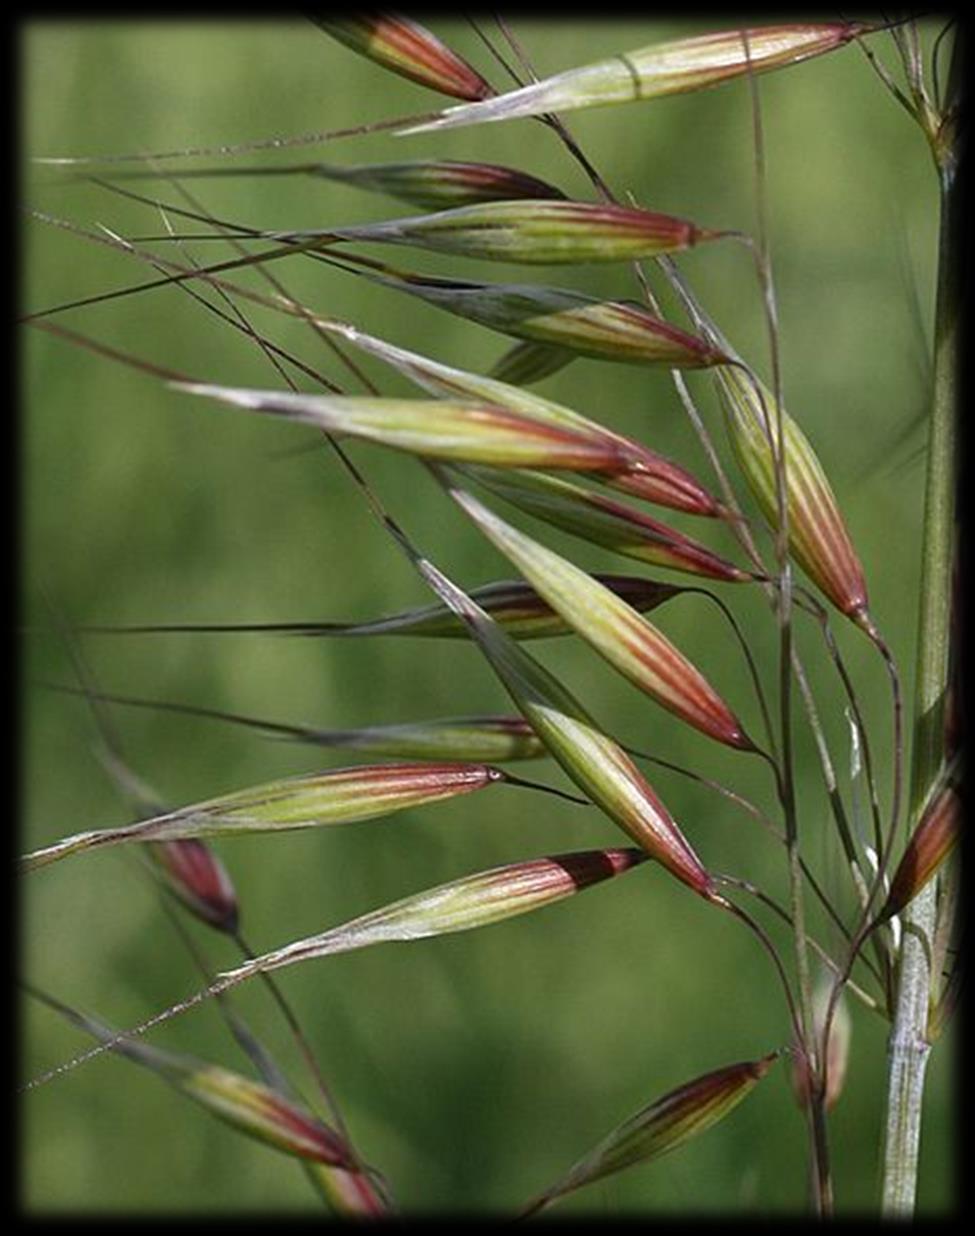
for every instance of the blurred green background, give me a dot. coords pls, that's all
(474, 1069)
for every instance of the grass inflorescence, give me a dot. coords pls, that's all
(449, 458)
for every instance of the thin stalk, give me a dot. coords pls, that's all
(753, 890)
(235, 148)
(908, 1049)
(777, 834)
(822, 1184)
(265, 274)
(808, 601)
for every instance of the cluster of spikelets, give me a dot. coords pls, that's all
(539, 457)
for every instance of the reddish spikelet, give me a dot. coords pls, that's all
(442, 183)
(538, 231)
(561, 318)
(600, 519)
(678, 685)
(614, 628)
(591, 758)
(409, 49)
(262, 1113)
(251, 1107)
(453, 430)
(818, 536)
(663, 1126)
(931, 843)
(517, 607)
(660, 480)
(623, 322)
(199, 879)
(472, 902)
(316, 800)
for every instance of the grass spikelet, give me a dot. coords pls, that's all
(513, 604)
(462, 905)
(488, 740)
(648, 474)
(929, 846)
(818, 537)
(248, 1106)
(666, 1124)
(409, 49)
(535, 232)
(437, 429)
(440, 184)
(339, 796)
(602, 329)
(660, 69)
(432, 184)
(604, 521)
(593, 760)
(618, 633)
(194, 874)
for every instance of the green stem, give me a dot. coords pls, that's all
(908, 1048)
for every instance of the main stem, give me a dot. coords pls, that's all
(909, 1048)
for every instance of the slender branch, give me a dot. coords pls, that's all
(909, 1049)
